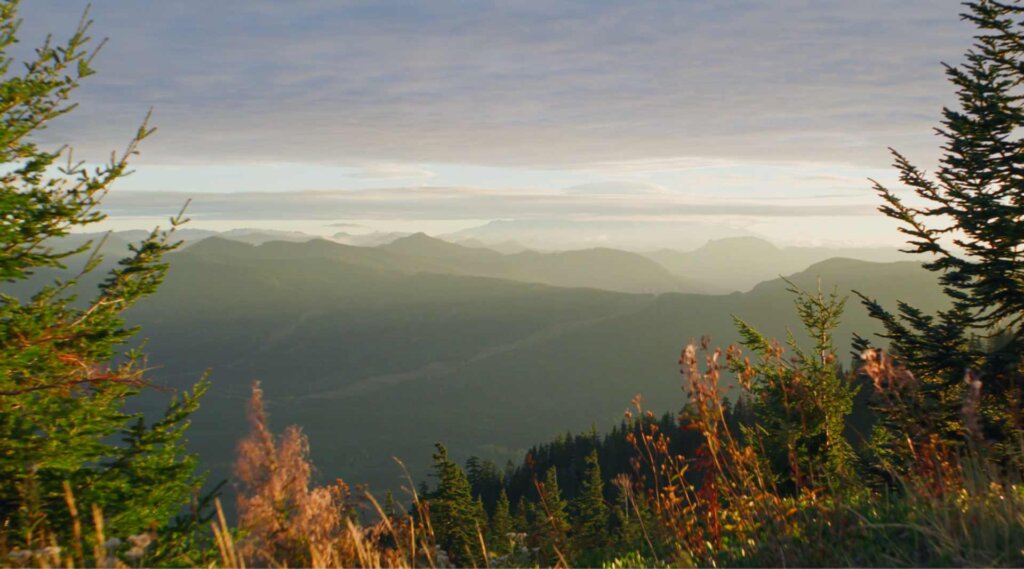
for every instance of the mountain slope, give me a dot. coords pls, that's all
(739, 263)
(603, 268)
(375, 362)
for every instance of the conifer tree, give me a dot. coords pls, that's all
(551, 525)
(522, 516)
(454, 513)
(391, 508)
(481, 521)
(501, 526)
(629, 517)
(591, 533)
(967, 221)
(800, 400)
(65, 374)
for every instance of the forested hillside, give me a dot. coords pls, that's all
(377, 362)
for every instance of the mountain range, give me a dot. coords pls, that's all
(380, 352)
(739, 263)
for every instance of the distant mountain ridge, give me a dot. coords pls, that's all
(605, 269)
(719, 266)
(632, 235)
(394, 347)
(739, 263)
(368, 355)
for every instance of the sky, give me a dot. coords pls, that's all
(763, 117)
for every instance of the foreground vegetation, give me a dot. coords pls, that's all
(914, 457)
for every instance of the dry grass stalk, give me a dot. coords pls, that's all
(287, 521)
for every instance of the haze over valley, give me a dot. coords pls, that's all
(396, 345)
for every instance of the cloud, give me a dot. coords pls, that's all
(430, 203)
(615, 187)
(545, 83)
(345, 225)
(673, 164)
(390, 172)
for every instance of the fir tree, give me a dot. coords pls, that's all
(968, 223)
(481, 521)
(391, 507)
(591, 534)
(801, 401)
(628, 527)
(551, 525)
(65, 374)
(484, 479)
(454, 514)
(522, 519)
(501, 526)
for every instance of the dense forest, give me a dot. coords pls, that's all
(899, 443)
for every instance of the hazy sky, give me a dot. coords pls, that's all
(446, 114)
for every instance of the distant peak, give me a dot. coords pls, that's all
(218, 245)
(734, 243)
(418, 237)
(422, 242)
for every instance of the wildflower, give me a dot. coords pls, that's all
(52, 550)
(884, 372)
(135, 553)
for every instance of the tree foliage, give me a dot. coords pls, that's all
(65, 371)
(591, 532)
(454, 514)
(967, 220)
(552, 525)
(801, 401)
(501, 529)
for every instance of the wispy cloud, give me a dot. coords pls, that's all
(428, 203)
(616, 187)
(546, 83)
(390, 171)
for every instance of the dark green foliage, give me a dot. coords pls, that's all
(456, 517)
(968, 223)
(485, 480)
(590, 536)
(521, 521)
(551, 525)
(501, 527)
(569, 454)
(628, 519)
(64, 373)
(801, 400)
